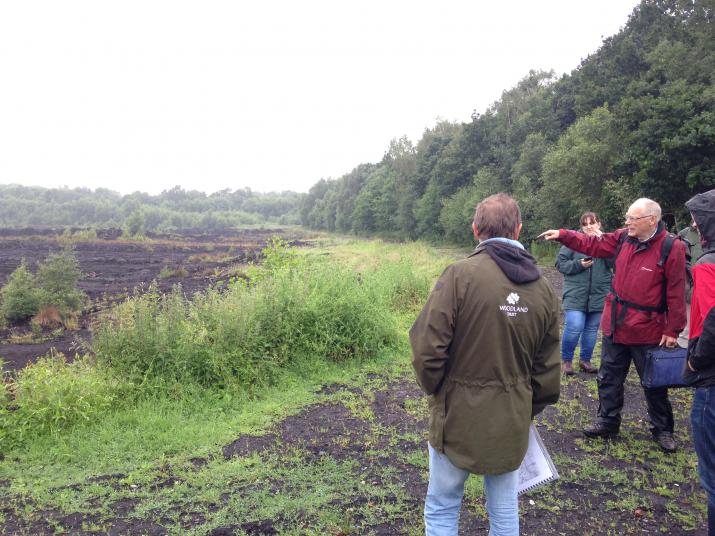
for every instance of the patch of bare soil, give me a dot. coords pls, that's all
(113, 268)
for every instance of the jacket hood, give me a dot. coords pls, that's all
(516, 263)
(702, 207)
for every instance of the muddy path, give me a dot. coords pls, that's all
(112, 269)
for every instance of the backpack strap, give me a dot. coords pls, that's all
(666, 247)
(621, 239)
(665, 250)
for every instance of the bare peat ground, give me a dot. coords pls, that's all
(355, 463)
(112, 268)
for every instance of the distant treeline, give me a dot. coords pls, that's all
(637, 118)
(22, 206)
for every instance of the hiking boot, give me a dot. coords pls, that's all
(665, 441)
(587, 367)
(568, 369)
(599, 429)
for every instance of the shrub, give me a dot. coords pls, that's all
(20, 296)
(57, 278)
(135, 224)
(279, 255)
(51, 395)
(544, 252)
(318, 310)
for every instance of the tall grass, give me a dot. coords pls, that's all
(244, 336)
(544, 252)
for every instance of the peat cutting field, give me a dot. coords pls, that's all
(113, 268)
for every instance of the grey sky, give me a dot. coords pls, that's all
(145, 95)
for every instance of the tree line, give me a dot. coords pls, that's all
(176, 208)
(636, 118)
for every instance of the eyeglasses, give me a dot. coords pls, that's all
(629, 218)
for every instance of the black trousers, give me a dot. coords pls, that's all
(615, 362)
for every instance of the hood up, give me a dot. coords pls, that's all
(516, 263)
(702, 207)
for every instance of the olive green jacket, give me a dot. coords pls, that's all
(585, 289)
(486, 349)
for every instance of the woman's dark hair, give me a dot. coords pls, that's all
(587, 217)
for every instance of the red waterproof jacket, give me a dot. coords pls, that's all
(701, 347)
(638, 280)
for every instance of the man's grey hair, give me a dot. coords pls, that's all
(649, 207)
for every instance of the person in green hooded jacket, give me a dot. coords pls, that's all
(586, 283)
(485, 348)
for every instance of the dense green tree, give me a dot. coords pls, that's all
(635, 118)
(575, 170)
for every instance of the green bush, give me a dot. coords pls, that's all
(51, 395)
(279, 255)
(545, 252)
(135, 224)
(244, 336)
(20, 296)
(57, 278)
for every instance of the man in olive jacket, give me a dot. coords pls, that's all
(486, 349)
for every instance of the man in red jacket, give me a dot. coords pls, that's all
(645, 308)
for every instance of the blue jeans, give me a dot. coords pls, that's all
(579, 324)
(444, 499)
(702, 418)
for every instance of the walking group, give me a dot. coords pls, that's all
(486, 344)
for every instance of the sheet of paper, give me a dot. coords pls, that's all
(536, 468)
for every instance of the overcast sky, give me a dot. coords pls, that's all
(273, 95)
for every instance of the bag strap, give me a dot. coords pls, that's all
(665, 250)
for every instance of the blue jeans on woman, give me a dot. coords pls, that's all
(702, 419)
(444, 499)
(583, 325)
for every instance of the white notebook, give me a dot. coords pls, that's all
(536, 468)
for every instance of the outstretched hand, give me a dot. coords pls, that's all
(551, 234)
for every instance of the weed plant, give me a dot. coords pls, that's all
(243, 336)
(52, 395)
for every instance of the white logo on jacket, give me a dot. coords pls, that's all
(512, 310)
